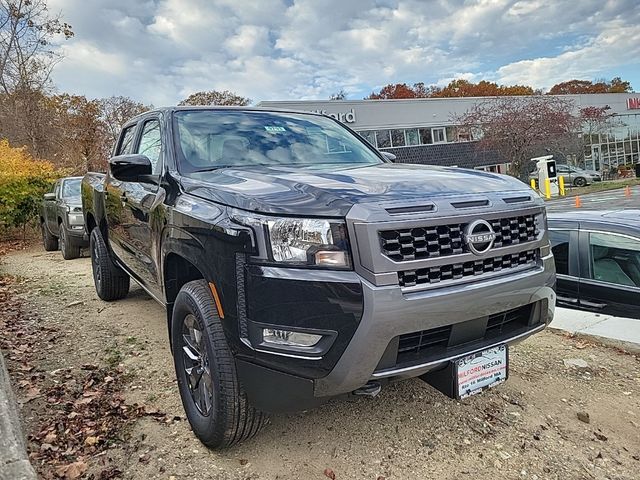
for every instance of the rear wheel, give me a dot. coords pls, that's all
(69, 249)
(50, 242)
(215, 403)
(112, 283)
(580, 182)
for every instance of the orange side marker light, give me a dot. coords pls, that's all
(216, 298)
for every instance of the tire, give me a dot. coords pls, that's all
(112, 283)
(580, 182)
(50, 242)
(217, 408)
(67, 247)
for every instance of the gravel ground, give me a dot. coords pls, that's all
(528, 428)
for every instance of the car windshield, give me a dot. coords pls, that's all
(212, 139)
(71, 188)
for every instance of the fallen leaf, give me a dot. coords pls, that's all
(329, 474)
(91, 440)
(72, 471)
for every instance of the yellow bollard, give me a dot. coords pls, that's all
(561, 185)
(547, 188)
(533, 183)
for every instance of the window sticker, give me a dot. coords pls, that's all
(274, 129)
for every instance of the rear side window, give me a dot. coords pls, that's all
(126, 141)
(560, 248)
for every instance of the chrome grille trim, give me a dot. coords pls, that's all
(474, 268)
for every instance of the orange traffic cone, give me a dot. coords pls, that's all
(627, 191)
(578, 201)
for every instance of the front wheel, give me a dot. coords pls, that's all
(112, 283)
(49, 241)
(214, 401)
(69, 249)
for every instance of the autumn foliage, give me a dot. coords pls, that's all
(23, 181)
(465, 88)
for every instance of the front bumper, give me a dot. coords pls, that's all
(389, 312)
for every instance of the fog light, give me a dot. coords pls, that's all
(292, 339)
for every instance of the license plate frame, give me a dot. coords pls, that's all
(480, 371)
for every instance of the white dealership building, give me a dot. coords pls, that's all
(424, 131)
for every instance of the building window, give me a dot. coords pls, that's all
(413, 137)
(451, 134)
(397, 138)
(425, 136)
(369, 136)
(438, 135)
(383, 138)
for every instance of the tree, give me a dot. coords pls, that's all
(114, 113)
(214, 97)
(23, 181)
(341, 95)
(26, 55)
(397, 90)
(616, 85)
(455, 88)
(464, 88)
(519, 128)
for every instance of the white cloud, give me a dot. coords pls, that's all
(162, 50)
(616, 46)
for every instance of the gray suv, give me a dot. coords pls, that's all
(61, 219)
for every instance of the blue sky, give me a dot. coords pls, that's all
(160, 51)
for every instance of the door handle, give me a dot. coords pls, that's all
(567, 299)
(587, 303)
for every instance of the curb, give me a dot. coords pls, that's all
(14, 462)
(630, 347)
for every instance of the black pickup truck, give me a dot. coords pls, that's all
(297, 263)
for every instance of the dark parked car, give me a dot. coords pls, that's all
(61, 219)
(297, 264)
(597, 256)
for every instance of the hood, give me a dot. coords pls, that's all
(331, 191)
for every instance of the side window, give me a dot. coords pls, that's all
(560, 248)
(126, 141)
(615, 259)
(56, 189)
(150, 143)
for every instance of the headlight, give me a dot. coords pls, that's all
(301, 242)
(312, 242)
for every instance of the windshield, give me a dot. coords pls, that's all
(71, 188)
(210, 139)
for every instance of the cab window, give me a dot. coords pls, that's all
(560, 247)
(150, 143)
(615, 259)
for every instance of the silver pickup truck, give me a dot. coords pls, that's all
(61, 219)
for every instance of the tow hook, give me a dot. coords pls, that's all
(371, 389)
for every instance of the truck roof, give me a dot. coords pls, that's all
(176, 108)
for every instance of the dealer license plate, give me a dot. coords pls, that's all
(481, 370)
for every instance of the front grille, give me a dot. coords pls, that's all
(442, 240)
(455, 271)
(439, 342)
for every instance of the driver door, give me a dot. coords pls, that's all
(610, 279)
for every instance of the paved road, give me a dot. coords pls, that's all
(609, 200)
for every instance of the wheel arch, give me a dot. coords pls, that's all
(177, 270)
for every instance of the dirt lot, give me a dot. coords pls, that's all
(525, 429)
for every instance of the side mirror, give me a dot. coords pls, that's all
(131, 168)
(389, 156)
(49, 196)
